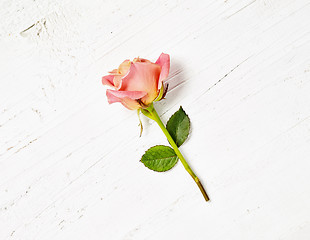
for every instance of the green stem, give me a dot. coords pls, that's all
(151, 113)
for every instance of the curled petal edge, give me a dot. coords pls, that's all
(127, 98)
(164, 62)
(108, 80)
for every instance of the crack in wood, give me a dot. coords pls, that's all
(218, 81)
(241, 9)
(28, 28)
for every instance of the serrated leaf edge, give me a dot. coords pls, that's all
(159, 145)
(162, 158)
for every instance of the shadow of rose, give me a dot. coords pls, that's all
(176, 79)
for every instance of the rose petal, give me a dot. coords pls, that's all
(142, 77)
(114, 72)
(108, 80)
(164, 62)
(130, 104)
(117, 81)
(124, 67)
(127, 98)
(138, 59)
(129, 94)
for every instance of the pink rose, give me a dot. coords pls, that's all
(137, 83)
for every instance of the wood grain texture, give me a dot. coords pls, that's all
(69, 162)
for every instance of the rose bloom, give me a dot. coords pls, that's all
(138, 83)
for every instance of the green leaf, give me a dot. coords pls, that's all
(159, 158)
(178, 126)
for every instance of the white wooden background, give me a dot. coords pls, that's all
(69, 162)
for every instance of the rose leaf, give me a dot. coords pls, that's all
(159, 158)
(178, 126)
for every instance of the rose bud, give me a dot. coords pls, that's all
(138, 83)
